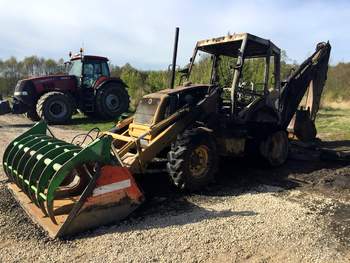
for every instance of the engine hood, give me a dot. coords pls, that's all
(49, 78)
(30, 89)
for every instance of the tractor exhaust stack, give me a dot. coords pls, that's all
(173, 65)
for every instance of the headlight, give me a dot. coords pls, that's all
(21, 93)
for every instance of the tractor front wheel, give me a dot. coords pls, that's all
(112, 100)
(192, 161)
(55, 107)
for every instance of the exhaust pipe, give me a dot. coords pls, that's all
(173, 65)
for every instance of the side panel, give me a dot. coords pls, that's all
(58, 83)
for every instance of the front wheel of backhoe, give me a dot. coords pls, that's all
(192, 161)
(274, 149)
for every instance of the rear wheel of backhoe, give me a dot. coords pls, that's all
(55, 107)
(112, 100)
(192, 161)
(32, 114)
(274, 149)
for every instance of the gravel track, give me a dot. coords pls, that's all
(253, 215)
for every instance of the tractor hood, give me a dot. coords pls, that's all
(35, 86)
(49, 77)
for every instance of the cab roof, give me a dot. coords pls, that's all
(229, 45)
(176, 90)
(88, 57)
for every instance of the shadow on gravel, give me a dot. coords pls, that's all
(19, 125)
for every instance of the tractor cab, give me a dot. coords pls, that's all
(88, 69)
(246, 67)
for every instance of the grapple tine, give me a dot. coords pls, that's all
(54, 150)
(51, 167)
(39, 128)
(17, 146)
(22, 155)
(30, 162)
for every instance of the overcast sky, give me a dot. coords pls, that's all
(142, 32)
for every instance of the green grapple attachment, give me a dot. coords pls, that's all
(66, 188)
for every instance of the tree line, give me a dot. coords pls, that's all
(141, 82)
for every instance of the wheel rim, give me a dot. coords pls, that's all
(112, 102)
(199, 161)
(58, 109)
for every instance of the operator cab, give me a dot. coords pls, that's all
(88, 69)
(246, 67)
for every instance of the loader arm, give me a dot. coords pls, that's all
(310, 77)
(163, 133)
(170, 133)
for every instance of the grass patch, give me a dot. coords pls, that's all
(333, 124)
(82, 122)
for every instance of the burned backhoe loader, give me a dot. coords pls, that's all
(67, 188)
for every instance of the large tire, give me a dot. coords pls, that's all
(192, 161)
(55, 107)
(274, 149)
(32, 114)
(112, 100)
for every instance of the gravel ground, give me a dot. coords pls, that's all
(250, 215)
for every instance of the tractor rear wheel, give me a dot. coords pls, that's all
(55, 107)
(112, 100)
(274, 149)
(32, 114)
(192, 161)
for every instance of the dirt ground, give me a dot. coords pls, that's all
(296, 213)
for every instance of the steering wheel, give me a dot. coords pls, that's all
(246, 93)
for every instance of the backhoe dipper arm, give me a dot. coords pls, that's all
(312, 74)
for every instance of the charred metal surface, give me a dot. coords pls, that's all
(311, 74)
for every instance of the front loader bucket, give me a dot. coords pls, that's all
(67, 189)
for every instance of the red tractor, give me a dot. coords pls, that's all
(88, 87)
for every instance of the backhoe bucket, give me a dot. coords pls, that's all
(65, 188)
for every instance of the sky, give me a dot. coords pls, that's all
(142, 32)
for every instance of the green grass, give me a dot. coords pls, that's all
(333, 124)
(81, 122)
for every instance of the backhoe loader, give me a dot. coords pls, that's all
(67, 188)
